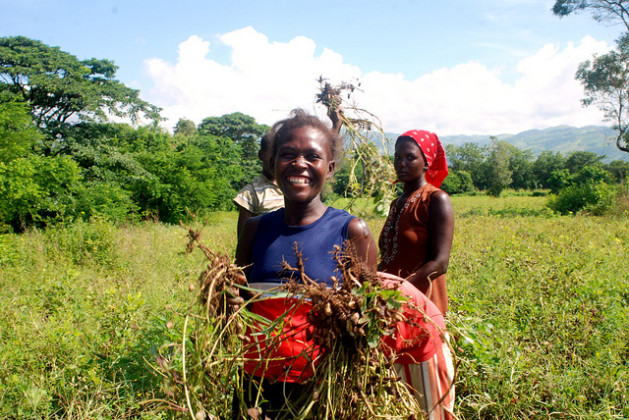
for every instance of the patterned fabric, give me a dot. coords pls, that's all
(260, 196)
(433, 151)
(429, 374)
(432, 382)
(403, 240)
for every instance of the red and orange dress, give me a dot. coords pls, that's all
(404, 248)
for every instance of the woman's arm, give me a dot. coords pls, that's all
(363, 243)
(243, 216)
(440, 233)
(245, 242)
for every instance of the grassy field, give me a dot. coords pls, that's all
(539, 313)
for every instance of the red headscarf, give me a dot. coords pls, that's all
(433, 152)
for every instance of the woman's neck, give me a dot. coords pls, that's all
(302, 214)
(412, 186)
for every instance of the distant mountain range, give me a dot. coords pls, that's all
(564, 139)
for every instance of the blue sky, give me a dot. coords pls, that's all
(451, 66)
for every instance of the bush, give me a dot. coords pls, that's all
(106, 201)
(559, 179)
(458, 182)
(37, 190)
(593, 197)
(91, 244)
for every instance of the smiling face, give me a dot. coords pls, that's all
(409, 161)
(303, 163)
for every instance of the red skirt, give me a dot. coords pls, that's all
(288, 355)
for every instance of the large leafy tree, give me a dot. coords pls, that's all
(469, 157)
(62, 90)
(240, 128)
(579, 159)
(605, 78)
(543, 167)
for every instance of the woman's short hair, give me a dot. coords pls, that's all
(300, 119)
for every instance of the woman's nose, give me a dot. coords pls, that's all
(299, 161)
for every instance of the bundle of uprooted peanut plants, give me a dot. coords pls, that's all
(371, 172)
(352, 376)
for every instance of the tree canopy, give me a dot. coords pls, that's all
(605, 78)
(241, 128)
(62, 90)
(602, 10)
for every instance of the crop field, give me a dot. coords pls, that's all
(539, 313)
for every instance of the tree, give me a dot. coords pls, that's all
(469, 157)
(619, 169)
(602, 10)
(575, 161)
(62, 90)
(545, 164)
(605, 78)
(499, 171)
(185, 127)
(240, 128)
(521, 165)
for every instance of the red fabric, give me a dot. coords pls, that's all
(418, 336)
(433, 152)
(286, 356)
(289, 356)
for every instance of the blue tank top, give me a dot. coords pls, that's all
(274, 242)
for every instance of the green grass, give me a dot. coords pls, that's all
(539, 313)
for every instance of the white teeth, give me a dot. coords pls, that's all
(297, 180)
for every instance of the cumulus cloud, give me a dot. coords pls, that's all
(267, 79)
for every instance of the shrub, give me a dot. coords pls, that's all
(593, 197)
(458, 182)
(106, 201)
(559, 179)
(37, 190)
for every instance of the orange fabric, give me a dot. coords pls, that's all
(403, 241)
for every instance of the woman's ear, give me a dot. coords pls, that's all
(331, 167)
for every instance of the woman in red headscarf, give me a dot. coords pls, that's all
(416, 238)
(415, 245)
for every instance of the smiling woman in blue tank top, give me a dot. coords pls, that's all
(304, 158)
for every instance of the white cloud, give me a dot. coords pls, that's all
(267, 79)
